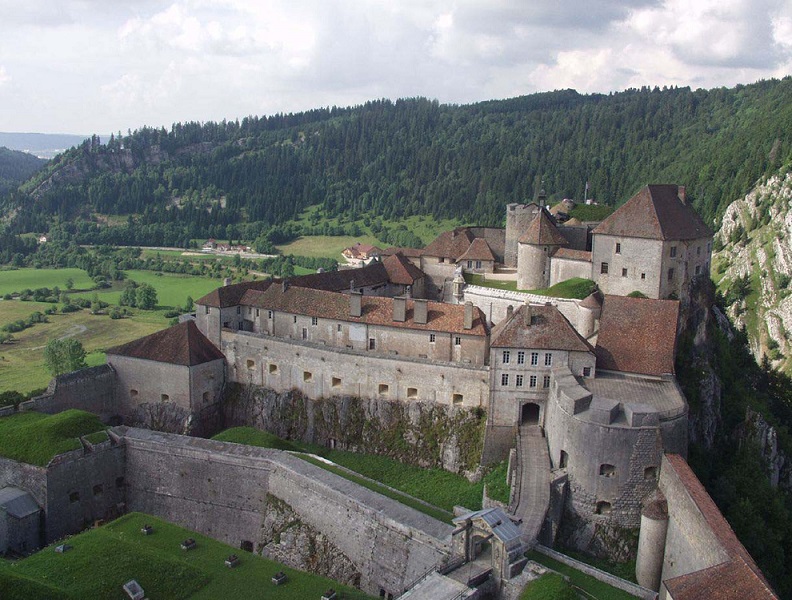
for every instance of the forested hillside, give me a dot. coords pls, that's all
(420, 157)
(16, 167)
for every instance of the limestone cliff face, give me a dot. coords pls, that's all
(752, 267)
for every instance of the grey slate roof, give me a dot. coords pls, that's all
(17, 503)
(499, 522)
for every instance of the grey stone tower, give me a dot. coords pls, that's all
(518, 217)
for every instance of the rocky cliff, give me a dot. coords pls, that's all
(752, 267)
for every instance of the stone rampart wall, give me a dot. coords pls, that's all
(91, 389)
(494, 303)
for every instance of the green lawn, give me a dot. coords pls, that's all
(592, 587)
(103, 559)
(550, 586)
(437, 487)
(20, 279)
(13, 310)
(35, 438)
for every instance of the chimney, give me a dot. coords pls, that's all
(509, 311)
(682, 194)
(226, 281)
(468, 315)
(527, 314)
(420, 311)
(285, 285)
(355, 304)
(400, 309)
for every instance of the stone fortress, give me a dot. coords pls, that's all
(580, 395)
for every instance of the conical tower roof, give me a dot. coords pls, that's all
(543, 232)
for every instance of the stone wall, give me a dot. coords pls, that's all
(562, 269)
(91, 389)
(318, 372)
(422, 433)
(224, 490)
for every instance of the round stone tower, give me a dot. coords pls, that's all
(534, 249)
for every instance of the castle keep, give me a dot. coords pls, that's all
(581, 394)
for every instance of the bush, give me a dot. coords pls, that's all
(637, 294)
(115, 313)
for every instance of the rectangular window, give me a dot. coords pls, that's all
(506, 357)
(338, 328)
(240, 326)
(470, 264)
(372, 344)
(295, 319)
(257, 312)
(239, 310)
(604, 268)
(478, 264)
(532, 381)
(307, 376)
(546, 381)
(548, 359)
(383, 388)
(504, 379)
(457, 398)
(273, 369)
(698, 250)
(670, 274)
(624, 272)
(314, 321)
(518, 380)
(586, 371)
(206, 310)
(520, 357)
(412, 392)
(643, 275)
(618, 248)
(432, 338)
(304, 333)
(270, 314)
(457, 340)
(672, 252)
(336, 382)
(534, 359)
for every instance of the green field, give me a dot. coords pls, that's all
(21, 279)
(325, 246)
(592, 588)
(13, 310)
(439, 488)
(103, 559)
(35, 438)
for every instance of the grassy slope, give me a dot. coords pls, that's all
(435, 486)
(549, 586)
(36, 438)
(595, 588)
(104, 559)
(329, 246)
(20, 279)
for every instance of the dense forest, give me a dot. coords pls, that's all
(417, 156)
(16, 167)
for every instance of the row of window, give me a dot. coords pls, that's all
(548, 358)
(519, 381)
(470, 264)
(672, 251)
(608, 470)
(98, 490)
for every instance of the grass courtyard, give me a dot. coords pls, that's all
(105, 558)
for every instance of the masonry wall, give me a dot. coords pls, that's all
(26, 477)
(318, 372)
(91, 389)
(690, 259)
(691, 545)
(518, 217)
(562, 269)
(437, 273)
(643, 259)
(220, 490)
(141, 381)
(533, 266)
(84, 486)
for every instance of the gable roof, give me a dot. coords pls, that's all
(656, 212)
(182, 344)
(400, 270)
(450, 244)
(479, 249)
(376, 310)
(342, 280)
(230, 295)
(570, 254)
(543, 232)
(409, 252)
(733, 579)
(548, 329)
(637, 335)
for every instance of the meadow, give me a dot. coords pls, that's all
(104, 558)
(22, 361)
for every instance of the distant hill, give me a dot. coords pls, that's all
(16, 167)
(416, 156)
(42, 145)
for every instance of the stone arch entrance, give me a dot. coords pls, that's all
(529, 414)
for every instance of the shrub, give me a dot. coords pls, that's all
(636, 294)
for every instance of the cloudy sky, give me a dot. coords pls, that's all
(84, 66)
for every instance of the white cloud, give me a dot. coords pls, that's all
(93, 65)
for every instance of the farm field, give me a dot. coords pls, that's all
(326, 246)
(22, 361)
(19, 279)
(105, 558)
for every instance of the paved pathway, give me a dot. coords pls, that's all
(534, 498)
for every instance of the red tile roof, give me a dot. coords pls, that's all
(658, 213)
(737, 579)
(543, 232)
(571, 254)
(375, 310)
(342, 280)
(637, 335)
(230, 295)
(478, 250)
(401, 271)
(548, 330)
(450, 244)
(182, 344)
(408, 252)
